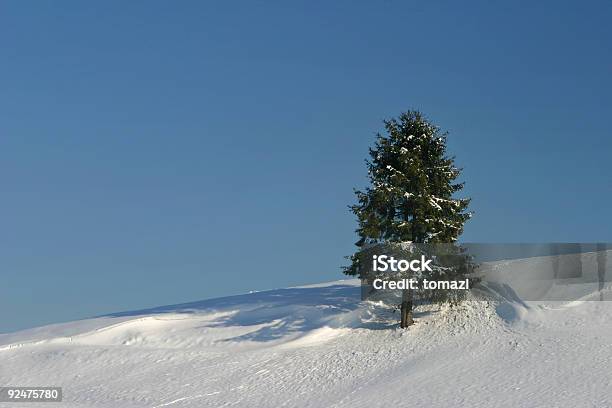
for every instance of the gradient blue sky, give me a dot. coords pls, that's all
(161, 152)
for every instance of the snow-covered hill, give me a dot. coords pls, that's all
(318, 346)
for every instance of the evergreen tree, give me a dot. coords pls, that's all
(412, 189)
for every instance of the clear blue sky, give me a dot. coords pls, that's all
(161, 152)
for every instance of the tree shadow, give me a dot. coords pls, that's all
(275, 314)
(343, 297)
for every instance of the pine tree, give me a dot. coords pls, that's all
(412, 190)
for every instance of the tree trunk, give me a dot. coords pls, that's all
(406, 309)
(601, 268)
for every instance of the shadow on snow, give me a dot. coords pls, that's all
(281, 312)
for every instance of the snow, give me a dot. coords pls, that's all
(319, 346)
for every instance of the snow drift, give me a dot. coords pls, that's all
(319, 346)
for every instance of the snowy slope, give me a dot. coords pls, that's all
(318, 346)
